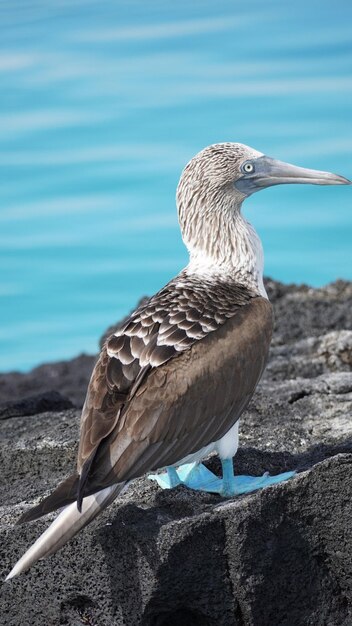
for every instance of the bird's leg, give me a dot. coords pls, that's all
(236, 485)
(228, 479)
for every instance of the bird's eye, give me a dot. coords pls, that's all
(248, 167)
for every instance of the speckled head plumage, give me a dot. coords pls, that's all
(207, 182)
(217, 165)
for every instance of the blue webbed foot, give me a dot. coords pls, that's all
(237, 485)
(168, 479)
(192, 475)
(197, 476)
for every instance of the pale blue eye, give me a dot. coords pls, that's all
(248, 167)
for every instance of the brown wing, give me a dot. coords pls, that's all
(180, 315)
(170, 411)
(188, 402)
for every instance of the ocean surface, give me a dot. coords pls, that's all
(102, 104)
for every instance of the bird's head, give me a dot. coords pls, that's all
(233, 171)
(215, 182)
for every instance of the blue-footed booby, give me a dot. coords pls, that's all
(170, 385)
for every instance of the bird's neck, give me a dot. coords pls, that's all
(230, 251)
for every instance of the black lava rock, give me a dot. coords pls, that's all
(40, 403)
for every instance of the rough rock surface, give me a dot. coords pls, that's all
(32, 405)
(70, 378)
(278, 557)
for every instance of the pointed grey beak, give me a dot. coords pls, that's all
(268, 172)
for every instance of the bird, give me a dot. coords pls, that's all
(171, 383)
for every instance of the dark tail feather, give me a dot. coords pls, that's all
(83, 479)
(63, 495)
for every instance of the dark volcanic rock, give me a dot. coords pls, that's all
(301, 311)
(278, 557)
(70, 378)
(49, 401)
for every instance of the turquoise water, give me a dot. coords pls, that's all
(102, 103)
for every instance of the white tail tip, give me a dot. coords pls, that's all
(64, 527)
